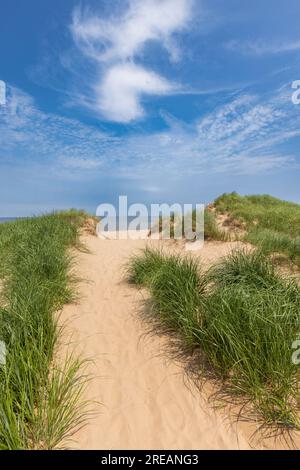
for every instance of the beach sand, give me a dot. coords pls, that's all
(147, 400)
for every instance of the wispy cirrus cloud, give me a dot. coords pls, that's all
(241, 136)
(113, 45)
(26, 132)
(263, 47)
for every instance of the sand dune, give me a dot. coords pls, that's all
(147, 402)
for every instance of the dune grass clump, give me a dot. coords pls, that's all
(172, 282)
(211, 229)
(245, 268)
(243, 317)
(270, 223)
(141, 269)
(274, 242)
(264, 211)
(39, 400)
(173, 288)
(252, 321)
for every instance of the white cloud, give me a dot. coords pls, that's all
(262, 47)
(122, 38)
(114, 43)
(256, 164)
(119, 93)
(80, 163)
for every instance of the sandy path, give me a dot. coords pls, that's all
(146, 402)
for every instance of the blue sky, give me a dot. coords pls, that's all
(162, 100)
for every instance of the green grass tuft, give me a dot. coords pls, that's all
(38, 400)
(172, 289)
(211, 229)
(270, 223)
(141, 269)
(242, 316)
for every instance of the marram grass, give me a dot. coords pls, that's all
(270, 223)
(241, 315)
(40, 402)
(211, 229)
